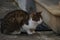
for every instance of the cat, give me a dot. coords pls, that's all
(18, 20)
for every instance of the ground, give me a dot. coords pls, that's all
(43, 35)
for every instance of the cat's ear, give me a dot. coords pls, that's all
(39, 13)
(32, 14)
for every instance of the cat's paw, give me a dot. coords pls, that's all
(29, 33)
(15, 32)
(33, 32)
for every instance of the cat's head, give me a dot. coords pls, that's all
(36, 16)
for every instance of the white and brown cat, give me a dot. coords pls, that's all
(18, 20)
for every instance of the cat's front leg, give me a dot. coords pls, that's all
(16, 32)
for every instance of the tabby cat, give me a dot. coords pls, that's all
(18, 20)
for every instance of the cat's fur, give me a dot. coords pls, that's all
(18, 20)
